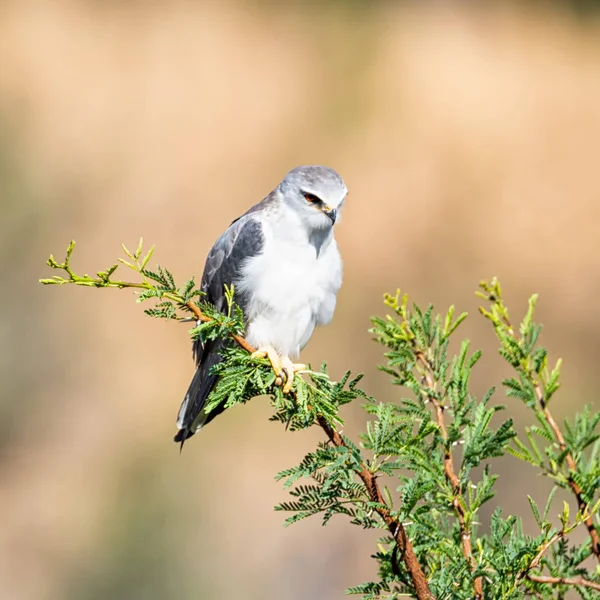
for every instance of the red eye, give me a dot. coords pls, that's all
(312, 198)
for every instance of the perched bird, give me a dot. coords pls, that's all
(286, 269)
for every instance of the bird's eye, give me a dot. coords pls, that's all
(312, 198)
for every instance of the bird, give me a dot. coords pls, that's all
(282, 259)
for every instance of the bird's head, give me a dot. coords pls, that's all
(316, 193)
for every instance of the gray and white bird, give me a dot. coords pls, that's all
(286, 269)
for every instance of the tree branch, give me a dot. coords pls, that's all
(395, 527)
(200, 316)
(451, 476)
(575, 581)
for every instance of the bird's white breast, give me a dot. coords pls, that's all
(291, 288)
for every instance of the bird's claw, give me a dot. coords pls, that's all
(282, 366)
(290, 369)
(274, 359)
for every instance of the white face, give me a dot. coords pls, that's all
(317, 193)
(320, 211)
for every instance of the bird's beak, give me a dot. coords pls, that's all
(331, 213)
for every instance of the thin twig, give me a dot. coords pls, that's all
(575, 581)
(535, 563)
(451, 476)
(537, 560)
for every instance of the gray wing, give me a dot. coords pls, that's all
(243, 239)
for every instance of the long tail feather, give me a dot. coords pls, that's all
(191, 415)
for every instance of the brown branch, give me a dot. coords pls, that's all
(395, 527)
(457, 502)
(200, 316)
(571, 464)
(576, 581)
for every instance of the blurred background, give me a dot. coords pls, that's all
(468, 134)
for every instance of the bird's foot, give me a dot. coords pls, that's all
(275, 360)
(282, 366)
(290, 369)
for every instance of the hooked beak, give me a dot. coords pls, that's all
(331, 213)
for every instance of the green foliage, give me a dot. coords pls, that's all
(424, 466)
(570, 454)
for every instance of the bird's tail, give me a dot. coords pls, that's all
(191, 416)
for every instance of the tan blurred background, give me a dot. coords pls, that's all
(469, 137)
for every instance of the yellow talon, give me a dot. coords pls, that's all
(282, 366)
(276, 364)
(290, 369)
